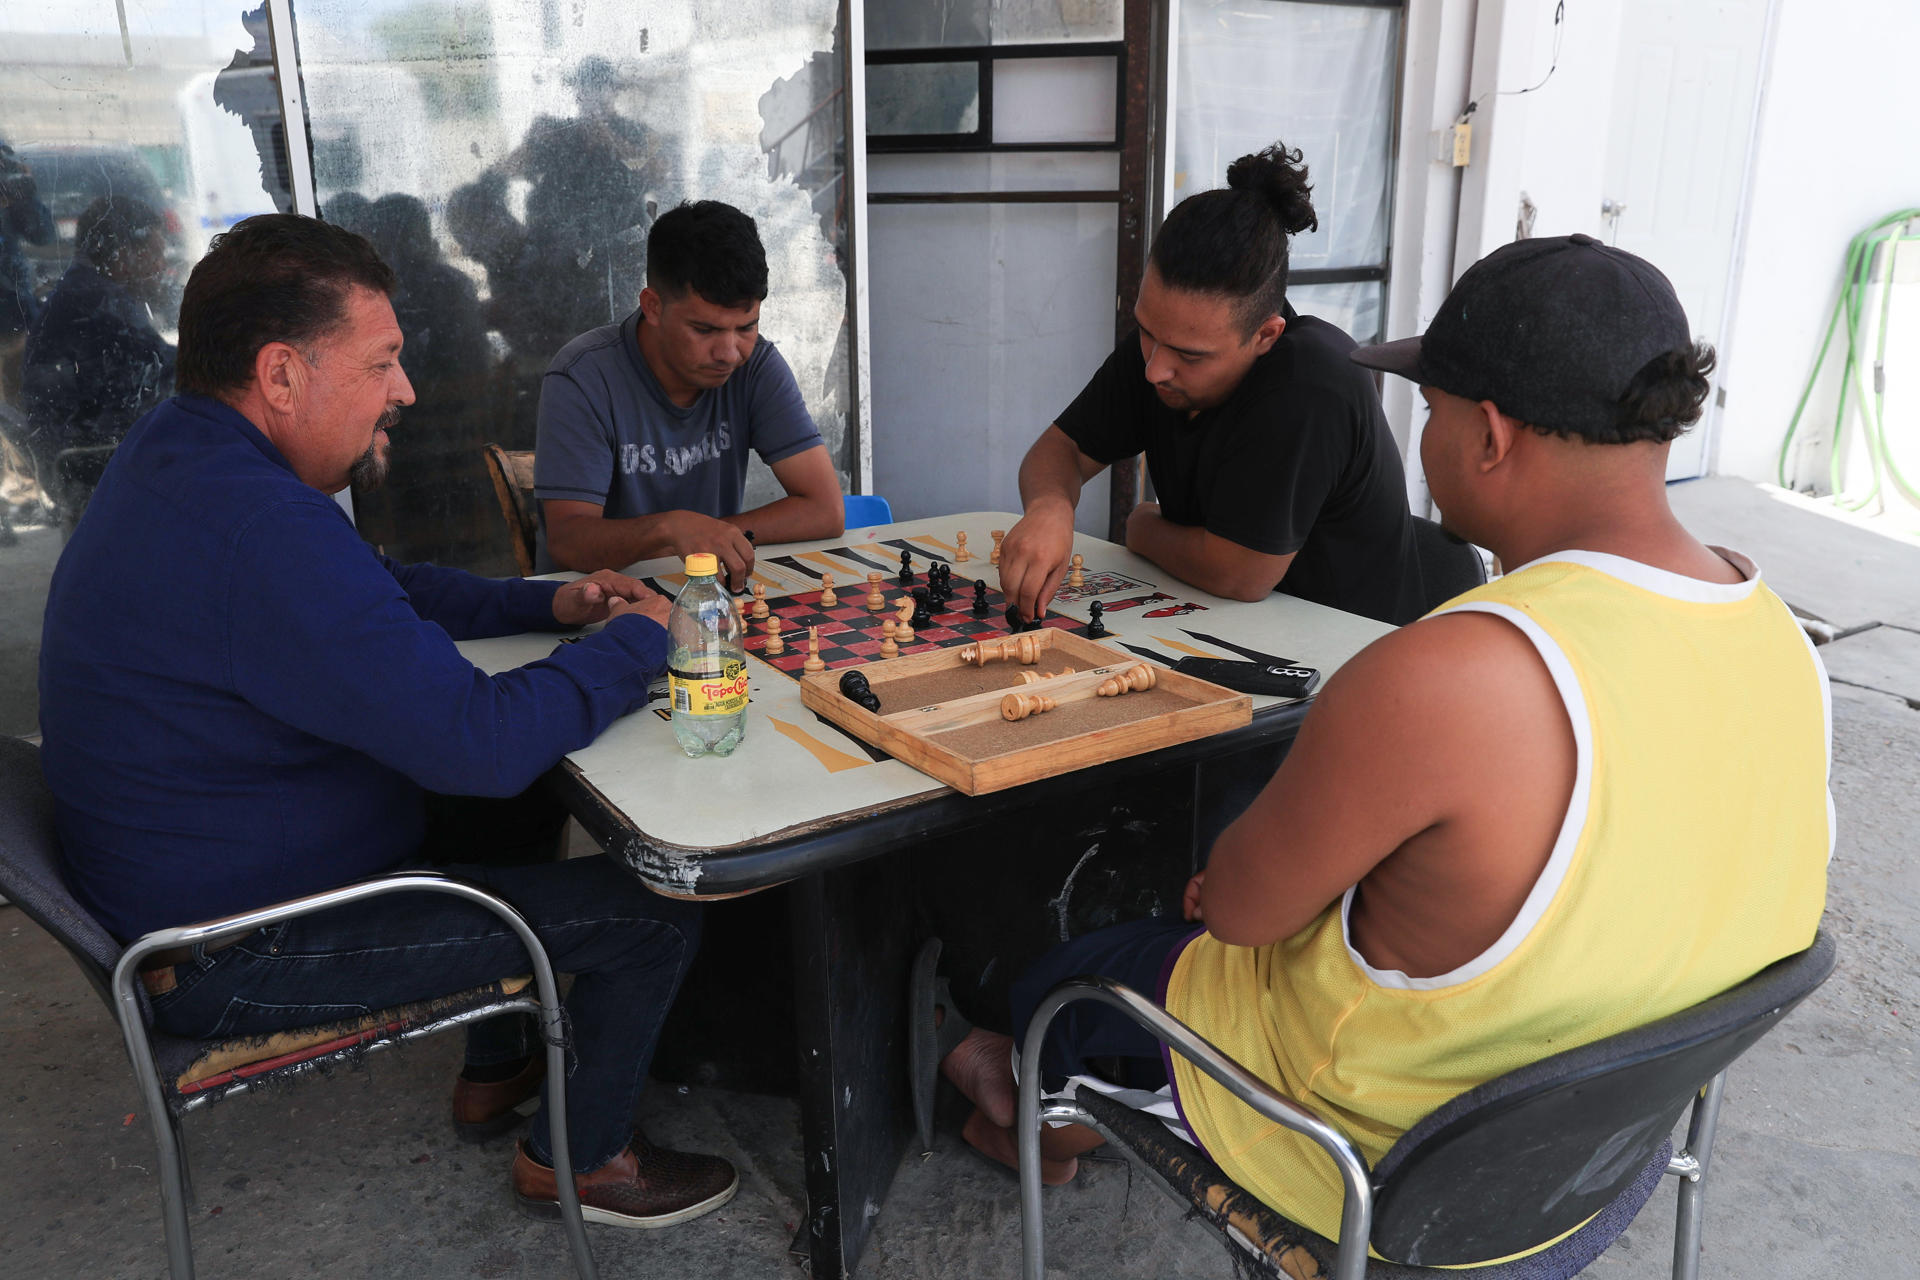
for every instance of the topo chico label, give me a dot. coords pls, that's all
(709, 693)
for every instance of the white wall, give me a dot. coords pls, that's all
(1836, 152)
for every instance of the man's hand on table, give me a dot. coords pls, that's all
(1034, 555)
(689, 531)
(604, 595)
(1190, 900)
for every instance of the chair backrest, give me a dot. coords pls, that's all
(512, 472)
(1448, 566)
(1536, 1152)
(30, 872)
(867, 510)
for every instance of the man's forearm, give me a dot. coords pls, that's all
(587, 544)
(793, 518)
(1050, 472)
(1197, 557)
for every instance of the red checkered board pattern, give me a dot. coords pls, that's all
(850, 635)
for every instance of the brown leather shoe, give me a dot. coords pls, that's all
(644, 1186)
(482, 1111)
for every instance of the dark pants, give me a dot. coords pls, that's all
(1088, 1038)
(627, 948)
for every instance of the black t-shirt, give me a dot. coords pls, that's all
(1297, 460)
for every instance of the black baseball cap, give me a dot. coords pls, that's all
(1551, 330)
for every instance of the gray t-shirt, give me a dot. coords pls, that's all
(608, 434)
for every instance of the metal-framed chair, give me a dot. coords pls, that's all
(1448, 565)
(178, 1075)
(512, 472)
(1571, 1146)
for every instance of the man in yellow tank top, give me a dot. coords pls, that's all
(1577, 799)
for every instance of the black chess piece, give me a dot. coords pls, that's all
(945, 586)
(980, 606)
(1096, 629)
(922, 615)
(854, 685)
(1016, 622)
(906, 568)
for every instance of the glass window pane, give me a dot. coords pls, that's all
(1356, 307)
(508, 161)
(1319, 77)
(1055, 99)
(922, 98)
(950, 24)
(993, 171)
(127, 147)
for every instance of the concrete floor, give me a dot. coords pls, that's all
(1817, 1170)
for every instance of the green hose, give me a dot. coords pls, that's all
(1853, 302)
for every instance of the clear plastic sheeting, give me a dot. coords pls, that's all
(938, 24)
(130, 135)
(508, 160)
(1319, 77)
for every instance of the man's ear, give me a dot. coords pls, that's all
(279, 372)
(651, 304)
(1496, 436)
(1268, 333)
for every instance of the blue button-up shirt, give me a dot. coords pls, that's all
(242, 702)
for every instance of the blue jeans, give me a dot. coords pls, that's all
(1136, 954)
(628, 949)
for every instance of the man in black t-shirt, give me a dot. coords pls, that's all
(1267, 446)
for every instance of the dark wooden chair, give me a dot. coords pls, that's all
(178, 1075)
(1575, 1143)
(512, 472)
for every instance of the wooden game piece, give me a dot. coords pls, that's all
(1096, 628)
(814, 661)
(1035, 677)
(1078, 578)
(875, 601)
(1140, 677)
(740, 612)
(907, 577)
(889, 647)
(759, 600)
(854, 686)
(980, 606)
(1018, 706)
(922, 609)
(1027, 648)
(775, 645)
(996, 535)
(903, 611)
(828, 597)
(962, 555)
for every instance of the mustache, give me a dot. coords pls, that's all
(389, 419)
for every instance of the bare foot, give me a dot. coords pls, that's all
(981, 1067)
(997, 1142)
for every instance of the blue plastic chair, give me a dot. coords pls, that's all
(867, 509)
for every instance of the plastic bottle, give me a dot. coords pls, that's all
(706, 663)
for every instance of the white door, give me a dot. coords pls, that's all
(1683, 107)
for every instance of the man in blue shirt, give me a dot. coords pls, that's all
(645, 425)
(242, 703)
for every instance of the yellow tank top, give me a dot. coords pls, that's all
(1693, 854)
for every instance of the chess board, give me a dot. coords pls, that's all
(850, 635)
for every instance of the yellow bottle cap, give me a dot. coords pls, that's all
(703, 563)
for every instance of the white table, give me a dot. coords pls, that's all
(800, 802)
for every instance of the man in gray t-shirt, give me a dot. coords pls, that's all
(645, 425)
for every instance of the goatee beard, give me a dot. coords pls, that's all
(369, 470)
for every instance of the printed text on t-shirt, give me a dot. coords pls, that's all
(643, 459)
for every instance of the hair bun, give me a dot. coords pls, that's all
(1279, 177)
